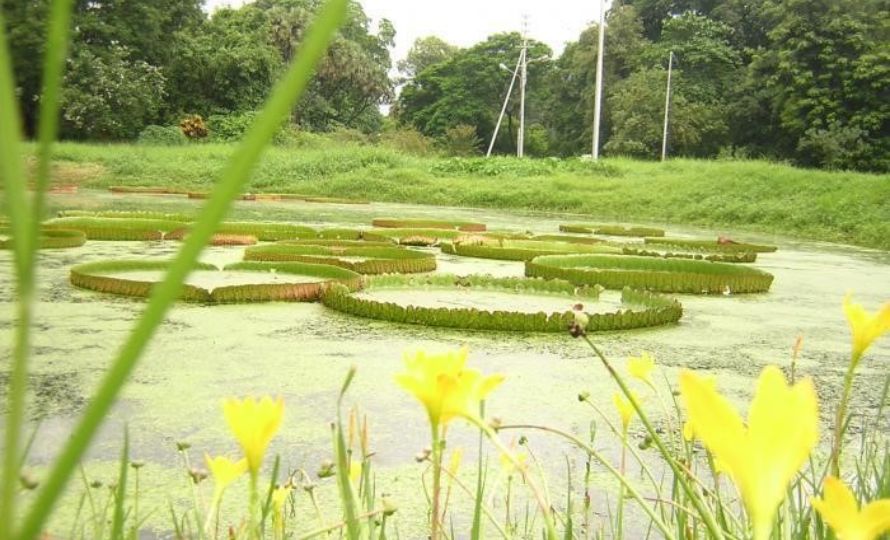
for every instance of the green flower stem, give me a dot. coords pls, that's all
(646, 470)
(668, 535)
(485, 510)
(704, 512)
(621, 489)
(840, 423)
(342, 524)
(436, 458)
(282, 99)
(543, 504)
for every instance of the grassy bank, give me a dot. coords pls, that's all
(754, 195)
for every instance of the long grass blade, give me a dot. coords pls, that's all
(24, 225)
(12, 177)
(283, 97)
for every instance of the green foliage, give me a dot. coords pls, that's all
(460, 140)
(637, 105)
(407, 140)
(825, 81)
(511, 166)
(469, 87)
(161, 136)
(232, 127)
(110, 96)
(425, 52)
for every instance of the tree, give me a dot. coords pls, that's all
(469, 89)
(570, 100)
(226, 65)
(711, 66)
(637, 105)
(425, 52)
(109, 97)
(825, 74)
(147, 30)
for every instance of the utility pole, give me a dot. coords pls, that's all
(497, 126)
(598, 99)
(523, 59)
(667, 107)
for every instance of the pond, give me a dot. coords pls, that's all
(302, 351)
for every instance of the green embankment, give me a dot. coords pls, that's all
(736, 195)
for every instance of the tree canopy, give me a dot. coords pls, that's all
(800, 80)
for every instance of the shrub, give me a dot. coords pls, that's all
(154, 135)
(407, 140)
(460, 140)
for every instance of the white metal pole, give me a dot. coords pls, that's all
(598, 99)
(520, 146)
(667, 107)
(497, 127)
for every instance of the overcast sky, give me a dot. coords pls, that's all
(465, 22)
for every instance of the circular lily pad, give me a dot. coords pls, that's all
(239, 282)
(471, 302)
(519, 250)
(364, 260)
(47, 239)
(654, 274)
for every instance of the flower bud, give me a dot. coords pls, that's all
(197, 475)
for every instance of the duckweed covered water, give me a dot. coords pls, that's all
(302, 352)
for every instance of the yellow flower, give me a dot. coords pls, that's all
(866, 328)
(445, 387)
(839, 509)
(641, 367)
(625, 409)
(355, 472)
(254, 424)
(508, 462)
(224, 470)
(454, 463)
(762, 458)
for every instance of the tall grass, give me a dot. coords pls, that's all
(736, 195)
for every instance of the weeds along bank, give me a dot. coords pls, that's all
(754, 195)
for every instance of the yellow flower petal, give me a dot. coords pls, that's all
(224, 470)
(254, 423)
(445, 387)
(840, 511)
(355, 472)
(641, 367)
(763, 457)
(864, 327)
(625, 408)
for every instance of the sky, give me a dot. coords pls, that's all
(466, 22)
